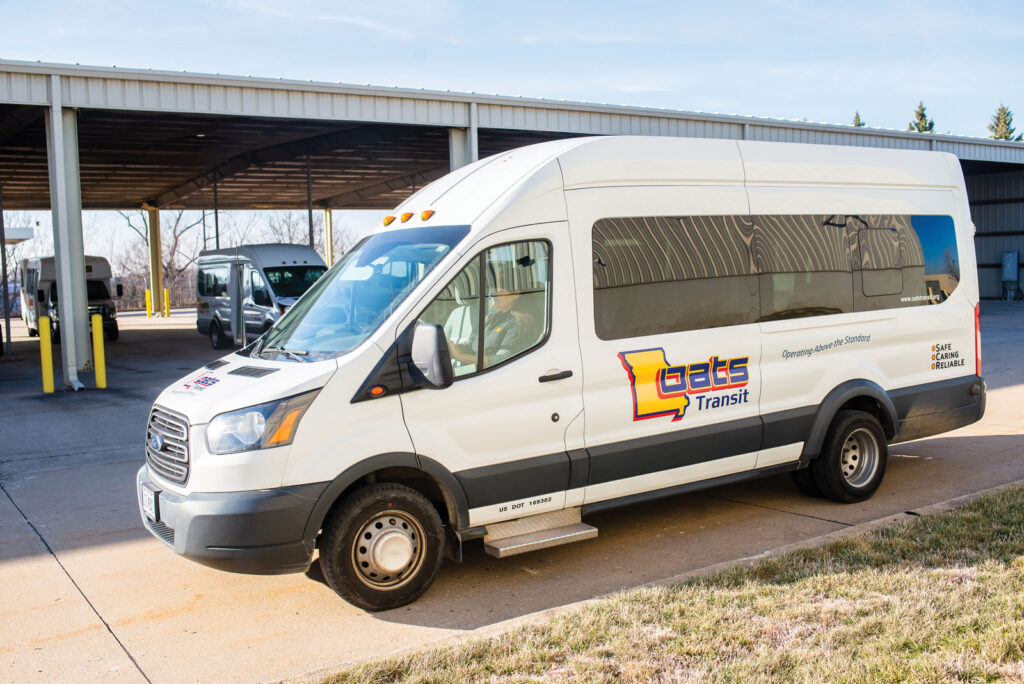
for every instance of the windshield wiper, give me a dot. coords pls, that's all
(297, 354)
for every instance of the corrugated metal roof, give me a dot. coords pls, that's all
(25, 83)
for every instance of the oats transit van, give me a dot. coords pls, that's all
(573, 326)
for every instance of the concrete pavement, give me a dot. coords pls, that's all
(86, 593)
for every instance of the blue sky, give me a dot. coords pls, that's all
(792, 59)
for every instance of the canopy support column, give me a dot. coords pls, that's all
(156, 262)
(463, 143)
(69, 249)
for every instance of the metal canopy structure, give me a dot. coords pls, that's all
(131, 159)
(74, 138)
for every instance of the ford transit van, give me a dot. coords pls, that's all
(573, 326)
(250, 287)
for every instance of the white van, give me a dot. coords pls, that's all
(39, 294)
(573, 326)
(251, 283)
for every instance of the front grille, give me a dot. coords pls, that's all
(171, 462)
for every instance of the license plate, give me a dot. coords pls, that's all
(149, 503)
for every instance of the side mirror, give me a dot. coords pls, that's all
(120, 290)
(431, 366)
(40, 295)
(260, 298)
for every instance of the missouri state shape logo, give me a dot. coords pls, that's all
(662, 389)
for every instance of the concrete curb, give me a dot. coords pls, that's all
(543, 616)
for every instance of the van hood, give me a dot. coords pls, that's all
(235, 382)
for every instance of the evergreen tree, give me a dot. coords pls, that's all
(857, 121)
(921, 122)
(1002, 125)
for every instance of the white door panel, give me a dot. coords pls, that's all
(503, 431)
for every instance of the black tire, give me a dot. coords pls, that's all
(217, 337)
(32, 332)
(804, 481)
(112, 333)
(856, 475)
(407, 521)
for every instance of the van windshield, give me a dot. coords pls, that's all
(292, 281)
(352, 299)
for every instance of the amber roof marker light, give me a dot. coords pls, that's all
(406, 216)
(426, 214)
(388, 220)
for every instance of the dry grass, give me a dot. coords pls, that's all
(940, 598)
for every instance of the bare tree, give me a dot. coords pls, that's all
(292, 227)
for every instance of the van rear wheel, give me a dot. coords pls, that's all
(853, 458)
(382, 547)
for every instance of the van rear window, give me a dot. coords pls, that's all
(213, 281)
(657, 275)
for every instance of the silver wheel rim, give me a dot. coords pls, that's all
(389, 550)
(860, 457)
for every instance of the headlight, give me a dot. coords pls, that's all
(258, 427)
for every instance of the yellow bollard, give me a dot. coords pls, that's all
(167, 303)
(98, 357)
(149, 304)
(46, 354)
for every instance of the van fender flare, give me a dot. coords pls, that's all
(829, 407)
(454, 495)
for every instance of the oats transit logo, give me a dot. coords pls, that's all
(661, 389)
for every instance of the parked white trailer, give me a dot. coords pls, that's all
(573, 326)
(250, 286)
(38, 278)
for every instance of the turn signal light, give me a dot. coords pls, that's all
(406, 216)
(377, 391)
(388, 220)
(283, 433)
(426, 214)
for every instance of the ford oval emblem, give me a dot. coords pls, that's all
(156, 442)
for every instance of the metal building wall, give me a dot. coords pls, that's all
(997, 207)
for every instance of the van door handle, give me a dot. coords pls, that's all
(561, 375)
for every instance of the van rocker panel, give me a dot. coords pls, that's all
(255, 532)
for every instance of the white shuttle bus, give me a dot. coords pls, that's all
(569, 327)
(250, 287)
(39, 294)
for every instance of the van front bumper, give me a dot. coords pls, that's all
(257, 532)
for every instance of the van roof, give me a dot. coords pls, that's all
(490, 186)
(266, 254)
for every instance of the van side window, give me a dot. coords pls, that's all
(806, 266)
(213, 281)
(906, 261)
(515, 279)
(669, 274)
(939, 273)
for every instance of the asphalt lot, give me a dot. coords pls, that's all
(87, 594)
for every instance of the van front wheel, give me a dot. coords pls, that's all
(217, 337)
(853, 458)
(382, 547)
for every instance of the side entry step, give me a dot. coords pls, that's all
(537, 532)
(510, 546)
